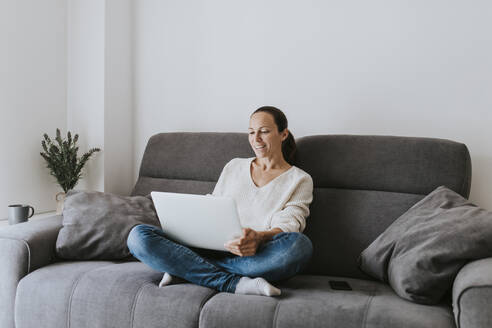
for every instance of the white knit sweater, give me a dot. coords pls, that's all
(282, 203)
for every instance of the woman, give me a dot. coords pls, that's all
(273, 199)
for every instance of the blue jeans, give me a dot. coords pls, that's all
(278, 259)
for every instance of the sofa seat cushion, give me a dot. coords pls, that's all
(125, 294)
(308, 301)
(105, 294)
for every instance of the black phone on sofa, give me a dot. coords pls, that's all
(339, 285)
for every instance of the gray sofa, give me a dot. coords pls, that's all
(361, 185)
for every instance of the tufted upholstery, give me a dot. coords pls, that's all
(111, 294)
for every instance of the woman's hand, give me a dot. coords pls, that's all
(246, 245)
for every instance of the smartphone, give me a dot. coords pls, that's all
(339, 285)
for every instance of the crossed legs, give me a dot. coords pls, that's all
(278, 259)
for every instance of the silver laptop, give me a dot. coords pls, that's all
(203, 221)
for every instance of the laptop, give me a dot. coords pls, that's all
(202, 221)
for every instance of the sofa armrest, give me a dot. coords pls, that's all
(24, 247)
(472, 295)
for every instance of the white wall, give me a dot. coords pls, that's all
(32, 97)
(409, 68)
(415, 68)
(64, 64)
(85, 84)
(100, 102)
(118, 120)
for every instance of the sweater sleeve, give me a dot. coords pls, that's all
(292, 218)
(219, 186)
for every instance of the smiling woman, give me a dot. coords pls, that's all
(264, 123)
(266, 138)
(272, 197)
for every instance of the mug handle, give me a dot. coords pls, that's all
(31, 208)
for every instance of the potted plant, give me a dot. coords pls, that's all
(63, 163)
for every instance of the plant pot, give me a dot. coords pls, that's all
(60, 199)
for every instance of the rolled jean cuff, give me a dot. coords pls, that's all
(231, 286)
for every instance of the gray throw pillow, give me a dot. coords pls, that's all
(96, 224)
(420, 254)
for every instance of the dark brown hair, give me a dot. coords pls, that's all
(289, 144)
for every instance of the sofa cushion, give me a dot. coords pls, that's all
(96, 224)
(125, 294)
(105, 294)
(188, 162)
(308, 301)
(421, 253)
(343, 222)
(43, 296)
(387, 163)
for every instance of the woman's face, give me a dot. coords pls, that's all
(264, 137)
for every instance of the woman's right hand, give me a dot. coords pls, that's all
(246, 245)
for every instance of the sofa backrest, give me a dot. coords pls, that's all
(361, 183)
